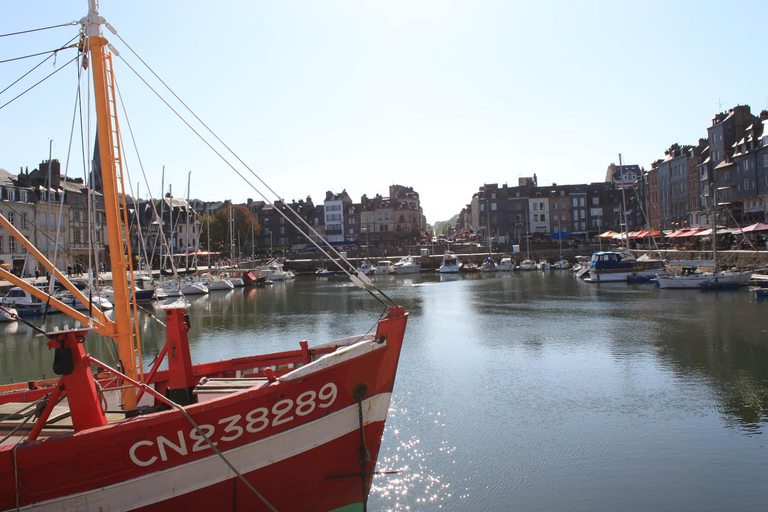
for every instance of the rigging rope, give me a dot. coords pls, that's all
(52, 53)
(65, 45)
(39, 29)
(38, 83)
(363, 281)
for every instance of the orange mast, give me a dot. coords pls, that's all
(123, 335)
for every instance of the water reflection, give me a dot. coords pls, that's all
(522, 390)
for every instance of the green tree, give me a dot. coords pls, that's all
(245, 224)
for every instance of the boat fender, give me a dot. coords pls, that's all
(63, 362)
(188, 321)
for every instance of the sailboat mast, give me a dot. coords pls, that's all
(714, 227)
(624, 204)
(162, 221)
(186, 237)
(488, 224)
(106, 138)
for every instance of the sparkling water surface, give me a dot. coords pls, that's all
(522, 391)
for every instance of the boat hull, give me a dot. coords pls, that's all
(296, 439)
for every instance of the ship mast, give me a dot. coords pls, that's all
(106, 131)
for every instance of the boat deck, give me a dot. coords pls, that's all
(13, 417)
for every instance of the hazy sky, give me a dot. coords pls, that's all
(443, 96)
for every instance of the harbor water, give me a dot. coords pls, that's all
(521, 391)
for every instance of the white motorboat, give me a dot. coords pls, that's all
(407, 265)
(365, 268)
(98, 300)
(275, 272)
(23, 302)
(450, 264)
(527, 264)
(543, 265)
(383, 267)
(506, 264)
(561, 265)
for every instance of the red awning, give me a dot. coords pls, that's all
(759, 226)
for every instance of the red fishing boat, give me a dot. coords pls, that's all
(294, 430)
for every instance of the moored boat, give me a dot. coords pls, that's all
(527, 264)
(613, 266)
(450, 264)
(365, 268)
(383, 267)
(294, 430)
(407, 265)
(488, 265)
(8, 314)
(507, 264)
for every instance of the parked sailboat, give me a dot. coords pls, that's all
(295, 430)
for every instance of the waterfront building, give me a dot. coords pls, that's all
(538, 211)
(335, 206)
(383, 228)
(17, 204)
(749, 206)
(696, 156)
(717, 171)
(623, 176)
(761, 163)
(352, 223)
(500, 213)
(407, 212)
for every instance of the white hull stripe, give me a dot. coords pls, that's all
(175, 481)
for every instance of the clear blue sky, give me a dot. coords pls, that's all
(443, 96)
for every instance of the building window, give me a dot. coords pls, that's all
(1, 244)
(746, 183)
(554, 206)
(535, 217)
(543, 217)
(575, 202)
(11, 194)
(10, 219)
(493, 207)
(24, 220)
(535, 206)
(11, 245)
(541, 207)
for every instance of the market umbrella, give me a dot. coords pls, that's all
(607, 234)
(759, 226)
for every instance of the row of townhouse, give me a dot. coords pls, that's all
(173, 225)
(396, 220)
(508, 214)
(723, 179)
(52, 212)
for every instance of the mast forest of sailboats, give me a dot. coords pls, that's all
(296, 430)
